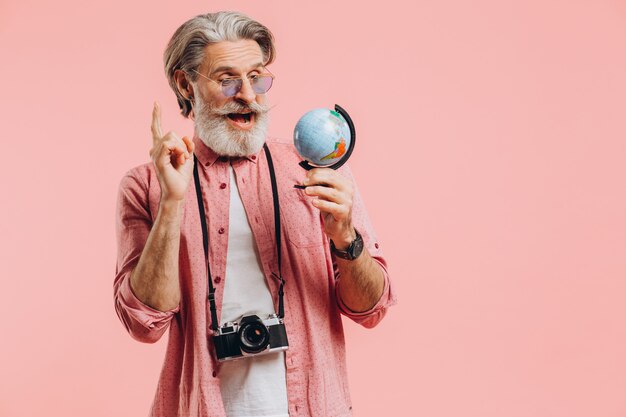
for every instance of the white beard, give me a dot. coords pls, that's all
(215, 131)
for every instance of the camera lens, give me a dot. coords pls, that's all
(253, 337)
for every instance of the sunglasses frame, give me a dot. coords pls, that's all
(238, 87)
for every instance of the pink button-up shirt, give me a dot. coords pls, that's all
(316, 366)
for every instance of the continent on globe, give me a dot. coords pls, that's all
(340, 150)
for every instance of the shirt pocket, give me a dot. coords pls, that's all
(300, 220)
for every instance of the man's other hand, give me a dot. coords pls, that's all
(172, 158)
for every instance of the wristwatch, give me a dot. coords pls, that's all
(353, 251)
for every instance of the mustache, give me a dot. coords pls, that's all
(234, 107)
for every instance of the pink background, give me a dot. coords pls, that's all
(491, 156)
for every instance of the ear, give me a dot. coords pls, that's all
(184, 85)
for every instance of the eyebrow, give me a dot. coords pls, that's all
(229, 68)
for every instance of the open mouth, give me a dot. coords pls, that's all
(240, 117)
(243, 121)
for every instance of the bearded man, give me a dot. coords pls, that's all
(241, 242)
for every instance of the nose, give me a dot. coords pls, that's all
(246, 94)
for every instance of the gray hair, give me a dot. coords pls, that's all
(185, 51)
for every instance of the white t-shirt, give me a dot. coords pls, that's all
(252, 386)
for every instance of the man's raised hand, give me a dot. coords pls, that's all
(172, 158)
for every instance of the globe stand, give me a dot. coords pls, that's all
(306, 165)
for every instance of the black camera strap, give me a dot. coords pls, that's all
(205, 238)
(270, 164)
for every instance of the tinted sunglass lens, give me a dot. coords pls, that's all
(231, 87)
(260, 85)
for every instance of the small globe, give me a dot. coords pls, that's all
(322, 137)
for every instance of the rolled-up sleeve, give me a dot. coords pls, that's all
(374, 315)
(362, 223)
(133, 224)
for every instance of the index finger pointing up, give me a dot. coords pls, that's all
(157, 133)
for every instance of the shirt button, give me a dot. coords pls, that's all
(218, 280)
(376, 245)
(221, 231)
(253, 157)
(223, 185)
(214, 374)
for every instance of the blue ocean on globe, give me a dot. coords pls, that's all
(322, 137)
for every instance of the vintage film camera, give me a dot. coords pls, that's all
(250, 336)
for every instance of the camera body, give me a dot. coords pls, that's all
(251, 336)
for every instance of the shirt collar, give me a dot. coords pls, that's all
(207, 156)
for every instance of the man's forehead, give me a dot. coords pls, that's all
(233, 55)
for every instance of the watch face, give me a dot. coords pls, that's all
(358, 248)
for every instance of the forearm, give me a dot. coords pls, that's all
(154, 280)
(361, 282)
